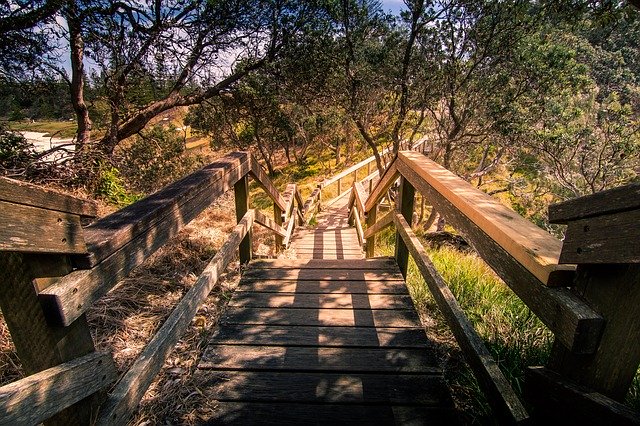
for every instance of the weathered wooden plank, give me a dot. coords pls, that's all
(606, 202)
(613, 292)
(343, 337)
(241, 197)
(321, 300)
(312, 202)
(558, 400)
(289, 231)
(366, 264)
(370, 237)
(324, 317)
(321, 274)
(270, 224)
(262, 179)
(18, 192)
(356, 216)
(611, 238)
(495, 386)
(36, 230)
(323, 255)
(572, 321)
(356, 388)
(297, 358)
(255, 413)
(406, 196)
(534, 248)
(360, 198)
(129, 391)
(378, 226)
(40, 345)
(393, 286)
(38, 397)
(388, 178)
(172, 207)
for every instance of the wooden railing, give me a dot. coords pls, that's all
(42, 238)
(533, 264)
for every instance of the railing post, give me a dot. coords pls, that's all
(602, 240)
(404, 205)
(241, 191)
(277, 218)
(39, 345)
(339, 186)
(371, 241)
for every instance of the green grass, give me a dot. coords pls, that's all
(511, 332)
(58, 129)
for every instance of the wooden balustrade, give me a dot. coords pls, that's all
(47, 322)
(533, 264)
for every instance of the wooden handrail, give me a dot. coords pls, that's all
(130, 389)
(38, 397)
(521, 262)
(495, 386)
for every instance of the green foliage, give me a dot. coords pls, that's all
(111, 187)
(155, 158)
(15, 151)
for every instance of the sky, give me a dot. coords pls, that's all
(393, 6)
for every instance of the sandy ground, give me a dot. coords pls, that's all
(43, 143)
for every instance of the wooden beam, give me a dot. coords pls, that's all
(262, 179)
(173, 206)
(558, 400)
(125, 397)
(72, 295)
(37, 230)
(38, 397)
(370, 245)
(360, 197)
(18, 192)
(609, 238)
(40, 345)
(378, 226)
(406, 197)
(388, 178)
(572, 321)
(270, 224)
(241, 191)
(534, 248)
(606, 202)
(495, 386)
(358, 224)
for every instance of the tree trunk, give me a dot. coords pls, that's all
(76, 47)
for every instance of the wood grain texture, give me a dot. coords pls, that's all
(364, 264)
(281, 358)
(172, 207)
(313, 336)
(610, 238)
(572, 321)
(322, 274)
(270, 224)
(388, 178)
(495, 386)
(558, 400)
(381, 224)
(390, 286)
(534, 248)
(19, 192)
(353, 388)
(321, 300)
(125, 397)
(38, 397)
(36, 230)
(606, 202)
(282, 413)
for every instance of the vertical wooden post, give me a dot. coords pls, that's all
(241, 191)
(38, 344)
(405, 206)
(602, 239)
(614, 292)
(368, 168)
(339, 186)
(277, 218)
(355, 176)
(371, 241)
(319, 207)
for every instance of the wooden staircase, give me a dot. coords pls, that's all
(326, 342)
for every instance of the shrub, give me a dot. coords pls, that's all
(15, 152)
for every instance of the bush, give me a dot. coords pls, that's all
(110, 186)
(155, 159)
(15, 152)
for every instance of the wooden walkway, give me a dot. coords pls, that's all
(331, 238)
(324, 341)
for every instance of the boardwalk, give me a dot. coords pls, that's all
(331, 238)
(324, 341)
